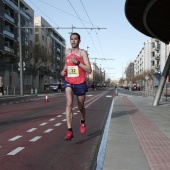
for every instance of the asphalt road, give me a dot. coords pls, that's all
(32, 132)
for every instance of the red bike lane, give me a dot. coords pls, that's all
(40, 144)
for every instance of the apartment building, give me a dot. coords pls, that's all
(139, 63)
(9, 46)
(50, 39)
(153, 56)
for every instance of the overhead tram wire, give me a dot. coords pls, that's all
(65, 12)
(84, 26)
(92, 25)
(56, 24)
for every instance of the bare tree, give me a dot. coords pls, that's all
(37, 58)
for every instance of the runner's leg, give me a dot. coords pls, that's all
(80, 103)
(69, 106)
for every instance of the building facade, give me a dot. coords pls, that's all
(50, 40)
(9, 38)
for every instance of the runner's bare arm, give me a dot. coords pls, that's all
(87, 66)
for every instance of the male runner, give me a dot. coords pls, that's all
(76, 65)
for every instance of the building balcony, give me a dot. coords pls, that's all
(15, 7)
(8, 49)
(10, 34)
(9, 18)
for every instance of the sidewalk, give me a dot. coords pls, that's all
(139, 135)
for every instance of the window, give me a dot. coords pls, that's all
(153, 45)
(30, 42)
(31, 31)
(36, 29)
(43, 27)
(36, 37)
(153, 54)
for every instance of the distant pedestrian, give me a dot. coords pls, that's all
(1, 86)
(59, 86)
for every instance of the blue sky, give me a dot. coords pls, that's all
(119, 41)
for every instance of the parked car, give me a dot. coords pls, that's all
(54, 86)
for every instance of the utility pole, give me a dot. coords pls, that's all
(20, 50)
(87, 51)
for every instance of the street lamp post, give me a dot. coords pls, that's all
(87, 50)
(20, 49)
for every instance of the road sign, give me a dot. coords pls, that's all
(23, 64)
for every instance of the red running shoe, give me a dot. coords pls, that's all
(69, 135)
(82, 128)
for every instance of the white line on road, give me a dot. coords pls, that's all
(15, 138)
(48, 131)
(108, 96)
(31, 130)
(75, 113)
(64, 120)
(64, 113)
(58, 124)
(42, 124)
(59, 116)
(35, 138)
(52, 119)
(15, 151)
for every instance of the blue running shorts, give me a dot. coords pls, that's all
(78, 89)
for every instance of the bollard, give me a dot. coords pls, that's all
(116, 91)
(32, 91)
(36, 91)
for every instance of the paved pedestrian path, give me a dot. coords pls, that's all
(139, 135)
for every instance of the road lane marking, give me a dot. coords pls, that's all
(15, 138)
(64, 113)
(108, 96)
(48, 131)
(64, 120)
(15, 151)
(35, 138)
(102, 148)
(31, 130)
(59, 116)
(42, 124)
(58, 124)
(52, 119)
(75, 113)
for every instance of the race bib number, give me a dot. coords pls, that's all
(73, 71)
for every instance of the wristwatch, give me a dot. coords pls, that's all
(78, 62)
